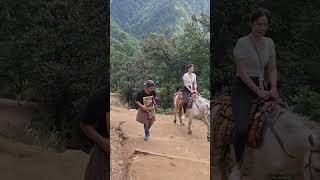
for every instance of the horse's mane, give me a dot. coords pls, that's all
(203, 99)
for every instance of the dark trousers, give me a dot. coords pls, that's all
(186, 96)
(242, 97)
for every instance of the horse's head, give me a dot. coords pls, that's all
(312, 160)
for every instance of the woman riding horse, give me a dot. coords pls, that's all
(252, 54)
(190, 86)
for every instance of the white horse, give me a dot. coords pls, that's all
(270, 159)
(199, 110)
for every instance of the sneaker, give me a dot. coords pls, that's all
(146, 137)
(183, 117)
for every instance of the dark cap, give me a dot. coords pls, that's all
(149, 83)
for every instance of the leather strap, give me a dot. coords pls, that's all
(276, 135)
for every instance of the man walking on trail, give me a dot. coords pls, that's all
(146, 100)
(95, 125)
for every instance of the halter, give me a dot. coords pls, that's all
(310, 162)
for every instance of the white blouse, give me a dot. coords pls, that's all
(189, 79)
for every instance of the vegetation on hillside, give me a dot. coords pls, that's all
(162, 58)
(297, 46)
(167, 37)
(165, 16)
(57, 52)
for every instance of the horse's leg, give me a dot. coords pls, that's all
(190, 121)
(208, 127)
(220, 172)
(180, 116)
(175, 115)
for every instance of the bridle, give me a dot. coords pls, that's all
(309, 165)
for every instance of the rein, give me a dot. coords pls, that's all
(276, 135)
(208, 108)
(274, 132)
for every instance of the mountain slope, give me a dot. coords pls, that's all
(144, 16)
(118, 35)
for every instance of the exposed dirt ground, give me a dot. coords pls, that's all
(21, 161)
(170, 154)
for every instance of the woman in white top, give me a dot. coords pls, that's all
(189, 85)
(252, 55)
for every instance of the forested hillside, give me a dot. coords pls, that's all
(145, 16)
(55, 53)
(156, 40)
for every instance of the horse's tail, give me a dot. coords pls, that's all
(175, 99)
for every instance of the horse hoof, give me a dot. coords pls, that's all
(182, 124)
(174, 121)
(190, 132)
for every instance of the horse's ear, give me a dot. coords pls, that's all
(311, 140)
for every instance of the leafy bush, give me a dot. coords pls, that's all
(307, 102)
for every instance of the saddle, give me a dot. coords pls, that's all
(191, 98)
(180, 100)
(223, 124)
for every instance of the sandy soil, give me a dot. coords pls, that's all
(170, 154)
(21, 161)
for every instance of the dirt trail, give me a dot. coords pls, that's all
(170, 154)
(21, 161)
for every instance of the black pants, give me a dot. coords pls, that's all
(186, 96)
(242, 97)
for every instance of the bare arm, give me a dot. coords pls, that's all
(140, 105)
(244, 76)
(272, 67)
(272, 72)
(186, 85)
(195, 84)
(92, 133)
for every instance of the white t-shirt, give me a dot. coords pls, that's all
(189, 79)
(246, 51)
